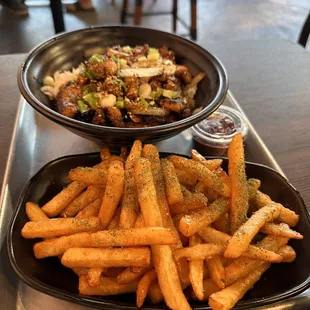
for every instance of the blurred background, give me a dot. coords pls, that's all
(216, 20)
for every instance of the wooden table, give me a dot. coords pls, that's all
(269, 78)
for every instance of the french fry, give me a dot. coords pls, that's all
(288, 254)
(203, 173)
(108, 286)
(34, 212)
(93, 276)
(151, 153)
(140, 221)
(186, 179)
(286, 215)
(91, 210)
(63, 199)
(281, 230)
(162, 255)
(105, 153)
(130, 205)
(80, 271)
(172, 184)
(241, 267)
(239, 193)
(196, 268)
(223, 176)
(191, 223)
(90, 176)
(252, 186)
(59, 227)
(155, 294)
(106, 238)
(114, 224)
(216, 270)
(209, 287)
(244, 235)
(144, 285)
(222, 223)
(100, 258)
(211, 164)
(79, 203)
(211, 235)
(228, 297)
(192, 201)
(113, 193)
(129, 275)
(199, 251)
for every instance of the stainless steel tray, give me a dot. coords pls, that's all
(36, 141)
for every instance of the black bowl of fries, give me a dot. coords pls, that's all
(171, 230)
(134, 97)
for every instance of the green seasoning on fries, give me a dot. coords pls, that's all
(170, 229)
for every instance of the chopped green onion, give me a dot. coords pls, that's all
(153, 50)
(83, 108)
(90, 75)
(127, 49)
(170, 93)
(96, 58)
(155, 94)
(144, 102)
(120, 104)
(92, 100)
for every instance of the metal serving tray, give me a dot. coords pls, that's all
(36, 141)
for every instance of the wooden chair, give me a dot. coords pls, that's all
(174, 12)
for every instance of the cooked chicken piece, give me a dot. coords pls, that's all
(172, 83)
(101, 69)
(166, 53)
(99, 117)
(133, 87)
(184, 74)
(82, 80)
(155, 83)
(115, 116)
(174, 105)
(67, 97)
(140, 50)
(113, 86)
(155, 120)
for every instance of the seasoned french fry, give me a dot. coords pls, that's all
(244, 235)
(105, 153)
(191, 201)
(209, 287)
(128, 275)
(114, 224)
(34, 212)
(286, 215)
(228, 297)
(288, 254)
(155, 294)
(199, 251)
(223, 176)
(239, 193)
(222, 223)
(162, 255)
(108, 286)
(79, 203)
(93, 276)
(144, 285)
(150, 152)
(90, 176)
(243, 266)
(281, 230)
(80, 271)
(191, 223)
(113, 193)
(172, 184)
(63, 199)
(91, 210)
(140, 221)
(211, 235)
(216, 270)
(209, 178)
(186, 179)
(196, 268)
(59, 227)
(211, 164)
(130, 205)
(105, 238)
(100, 258)
(252, 186)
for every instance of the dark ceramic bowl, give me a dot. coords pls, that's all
(281, 281)
(70, 49)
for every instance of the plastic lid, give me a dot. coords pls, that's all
(218, 128)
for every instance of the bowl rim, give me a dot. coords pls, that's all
(94, 301)
(87, 127)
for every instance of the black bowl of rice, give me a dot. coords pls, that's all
(116, 84)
